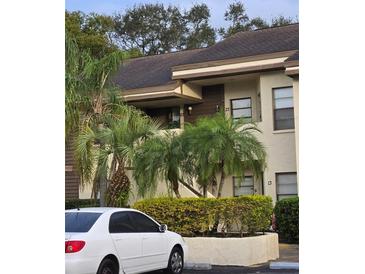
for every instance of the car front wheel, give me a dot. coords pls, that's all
(176, 261)
(108, 266)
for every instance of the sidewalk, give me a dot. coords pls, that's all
(289, 257)
(288, 253)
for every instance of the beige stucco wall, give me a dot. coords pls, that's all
(192, 90)
(280, 145)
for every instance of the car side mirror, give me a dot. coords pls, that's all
(163, 228)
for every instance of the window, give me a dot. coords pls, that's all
(283, 108)
(286, 185)
(241, 108)
(80, 221)
(243, 187)
(143, 223)
(120, 222)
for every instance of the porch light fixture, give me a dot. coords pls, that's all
(190, 108)
(217, 108)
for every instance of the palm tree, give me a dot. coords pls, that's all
(222, 145)
(88, 94)
(162, 157)
(107, 151)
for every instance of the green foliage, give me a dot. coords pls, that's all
(156, 29)
(219, 144)
(149, 29)
(200, 33)
(199, 216)
(79, 203)
(287, 219)
(240, 21)
(93, 32)
(161, 157)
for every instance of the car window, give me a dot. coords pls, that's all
(80, 221)
(120, 222)
(143, 223)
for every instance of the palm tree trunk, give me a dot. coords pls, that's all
(221, 183)
(205, 191)
(102, 187)
(175, 188)
(118, 191)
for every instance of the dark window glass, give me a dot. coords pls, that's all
(283, 108)
(286, 185)
(143, 223)
(120, 222)
(80, 221)
(241, 108)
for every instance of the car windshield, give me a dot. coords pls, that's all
(80, 221)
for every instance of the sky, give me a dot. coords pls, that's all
(266, 9)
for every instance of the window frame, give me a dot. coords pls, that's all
(277, 183)
(234, 186)
(274, 109)
(237, 99)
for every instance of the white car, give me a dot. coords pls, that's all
(120, 240)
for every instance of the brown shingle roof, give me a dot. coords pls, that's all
(156, 70)
(294, 57)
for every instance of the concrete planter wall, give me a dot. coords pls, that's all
(233, 251)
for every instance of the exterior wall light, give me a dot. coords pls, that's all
(190, 108)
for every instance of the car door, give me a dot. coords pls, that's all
(154, 243)
(127, 241)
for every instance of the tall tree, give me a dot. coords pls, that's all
(93, 32)
(200, 33)
(156, 29)
(221, 145)
(237, 15)
(88, 98)
(151, 28)
(282, 21)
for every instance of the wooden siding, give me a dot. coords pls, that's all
(72, 179)
(212, 96)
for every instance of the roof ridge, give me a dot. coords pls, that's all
(168, 53)
(271, 27)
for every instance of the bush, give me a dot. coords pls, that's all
(287, 219)
(75, 203)
(201, 216)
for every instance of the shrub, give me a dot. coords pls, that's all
(200, 216)
(75, 203)
(287, 219)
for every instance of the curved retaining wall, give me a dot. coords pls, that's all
(233, 251)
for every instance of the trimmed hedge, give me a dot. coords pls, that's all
(201, 216)
(75, 203)
(287, 219)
